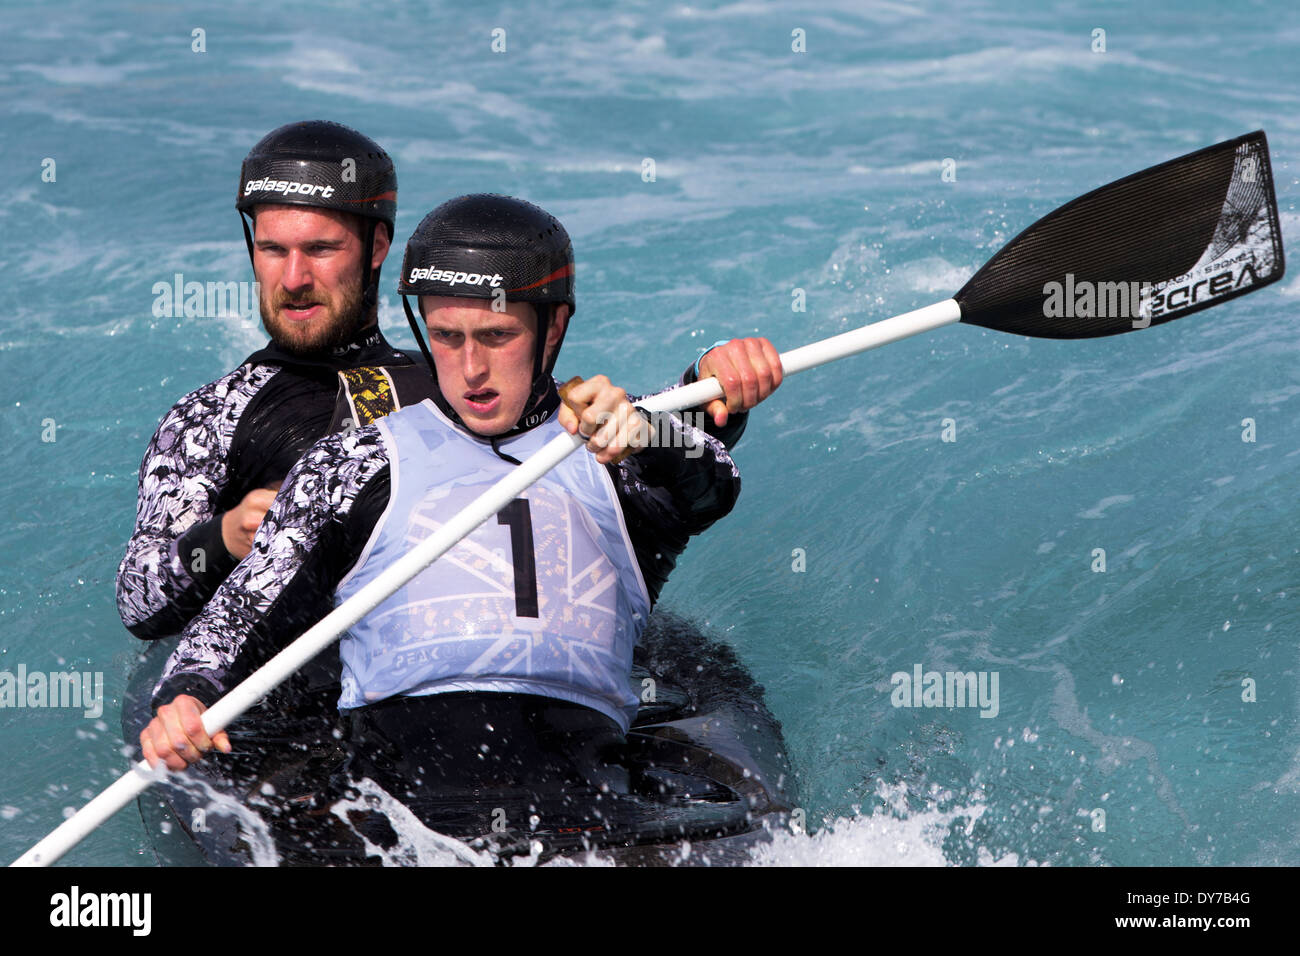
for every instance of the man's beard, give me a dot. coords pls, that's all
(319, 336)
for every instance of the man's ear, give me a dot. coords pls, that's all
(555, 331)
(559, 322)
(382, 243)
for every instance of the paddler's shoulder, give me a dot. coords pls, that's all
(224, 397)
(335, 472)
(350, 451)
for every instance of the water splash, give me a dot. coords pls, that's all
(898, 836)
(215, 804)
(417, 845)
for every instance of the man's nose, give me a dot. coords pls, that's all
(297, 272)
(475, 358)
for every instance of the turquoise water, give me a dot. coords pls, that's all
(1120, 692)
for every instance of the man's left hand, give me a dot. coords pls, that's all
(749, 370)
(601, 413)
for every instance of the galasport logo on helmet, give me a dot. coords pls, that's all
(287, 187)
(455, 278)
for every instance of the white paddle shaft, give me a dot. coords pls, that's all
(330, 628)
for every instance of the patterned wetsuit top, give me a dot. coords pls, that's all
(316, 532)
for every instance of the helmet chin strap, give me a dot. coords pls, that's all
(369, 277)
(542, 369)
(541, 375)
(419, 337)
(248, 240)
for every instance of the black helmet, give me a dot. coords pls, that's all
(484, 246)
(329, 165)
(472, 246)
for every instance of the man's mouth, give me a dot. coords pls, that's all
(484, 401)
(300, 310)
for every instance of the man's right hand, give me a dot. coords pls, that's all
(176, 736)
(749, 370)
(240, 523)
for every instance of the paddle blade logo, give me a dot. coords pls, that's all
(1154, 246)
(1245, 251)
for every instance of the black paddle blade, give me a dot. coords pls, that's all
(1154, 246)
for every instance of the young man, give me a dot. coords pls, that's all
(504, 664)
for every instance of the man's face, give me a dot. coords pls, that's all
(308, 264)
(485, 358)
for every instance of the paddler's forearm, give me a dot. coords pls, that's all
(157, 574)
(173, 563)
(694, 468)
(676, 488)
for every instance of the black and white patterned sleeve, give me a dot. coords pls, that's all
(306, 543)
(175, 559)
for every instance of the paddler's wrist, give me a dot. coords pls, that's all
(692, 374)
(203, 552)
(191, 685)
